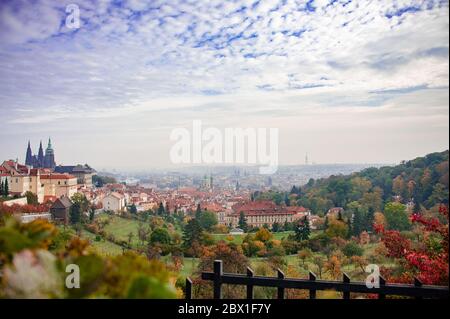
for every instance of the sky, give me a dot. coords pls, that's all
(344, 81)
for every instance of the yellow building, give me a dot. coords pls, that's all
(41, 182)
(56, 184)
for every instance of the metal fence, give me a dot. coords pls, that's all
(346, 286)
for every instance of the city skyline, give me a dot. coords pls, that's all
(344, 81)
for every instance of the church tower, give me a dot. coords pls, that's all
(49, 159)
(29, 156)
(40, 156)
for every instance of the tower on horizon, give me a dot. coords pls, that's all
(306, 159)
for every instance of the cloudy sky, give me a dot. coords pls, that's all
(344, 81)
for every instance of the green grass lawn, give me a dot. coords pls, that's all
(122, 227)
(237, 239)
(189, 266)
(102, 247)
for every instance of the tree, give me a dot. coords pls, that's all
(396, 216)
(161, 209)
(75, 213)
(287, 201)
(160, 235)
(350, 228)
(333, 266)
(233, 261)
(428, 264)
(81, 200)
(398, 185)
(192, 233)
(319, 261)
(416, 208)
(359, 220)
(336, 228)
(32, 198)
(304, 254)
(242, 222)
(263, 234)
(1, 188)
(92, 214)
(294, 190)
(438, 196)
(370, 218)
(352, 249)
(133, 209)
(361, 262)
(130, 238)
(207, 220)
(142, 233)
(198, 212)
(379, 219)
(6, 188)
(302, 229)
(276, 227)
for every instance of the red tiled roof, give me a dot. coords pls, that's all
(256, 205)
(264, 213)
(297, 209)
(265, 208)
(212, 207)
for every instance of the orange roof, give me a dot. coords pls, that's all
(212, 207)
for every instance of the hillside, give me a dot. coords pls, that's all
(423, 180)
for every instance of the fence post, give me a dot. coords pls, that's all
(417, 283)
(188, 294)
(346, 280)
(280, 289)
(382, 284)
(218, 272)
(249, 286)
(312, 292)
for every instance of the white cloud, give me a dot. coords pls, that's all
(168, 61)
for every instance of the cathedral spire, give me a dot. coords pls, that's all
(29, 156)
(40, 155)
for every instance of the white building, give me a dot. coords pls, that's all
(114, 202)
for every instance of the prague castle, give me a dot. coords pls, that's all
(41, 160)
(42, 177)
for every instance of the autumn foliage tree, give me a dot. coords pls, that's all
(233, 260)
(426, 262)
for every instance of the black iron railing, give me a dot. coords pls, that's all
(346, 286)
